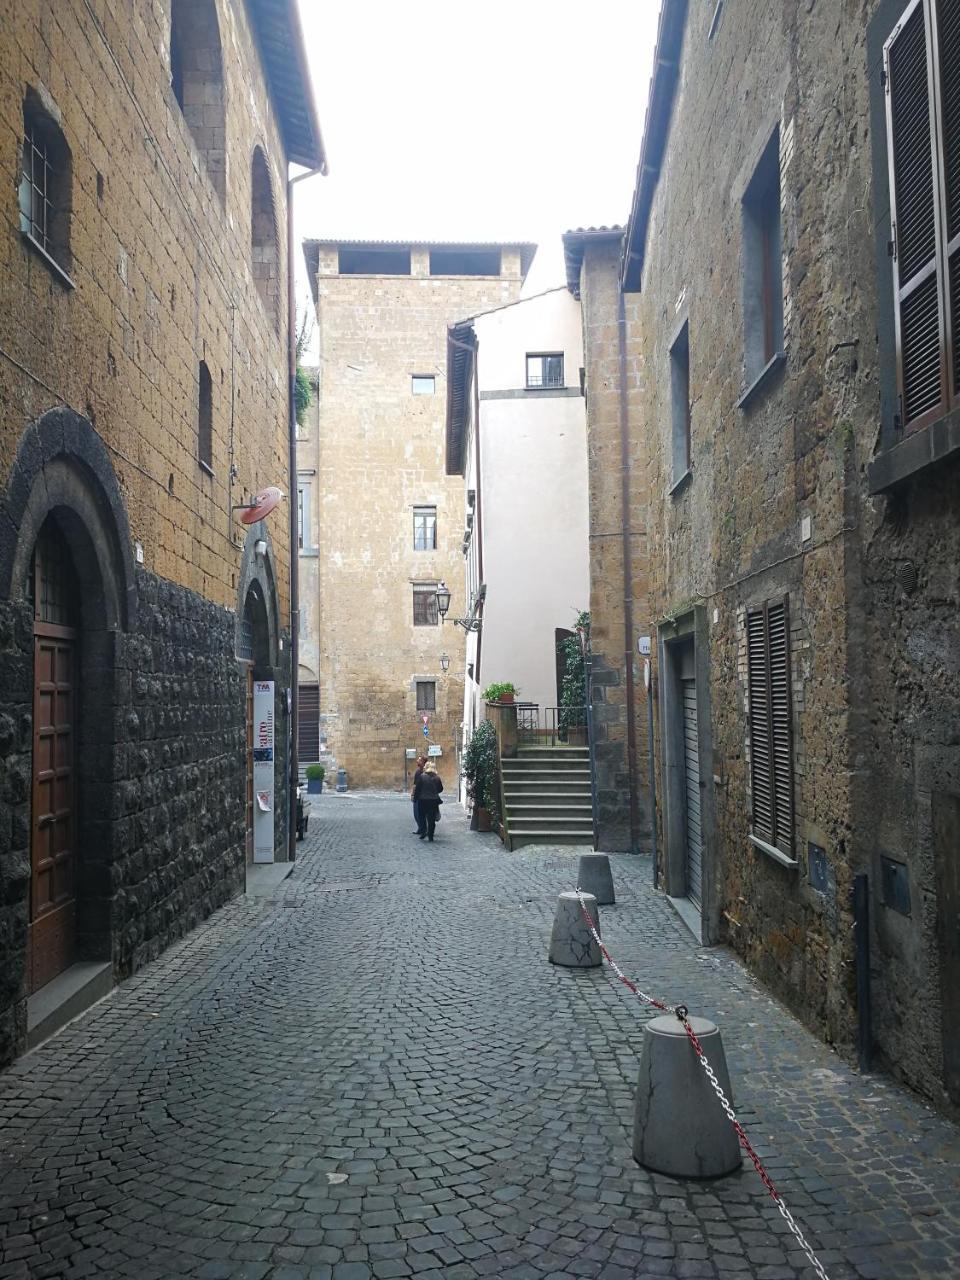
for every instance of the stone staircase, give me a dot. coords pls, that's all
(546, 796)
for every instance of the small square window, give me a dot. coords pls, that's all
(544, 370)
(426, 695)
(423, 384)
(424, 528)
(425, 604)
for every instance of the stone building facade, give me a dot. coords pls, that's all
(389, 518)
(617, 468)
(799, 402)
(144, 394)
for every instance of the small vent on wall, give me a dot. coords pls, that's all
(907, 577)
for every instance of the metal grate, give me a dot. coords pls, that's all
(36, 188)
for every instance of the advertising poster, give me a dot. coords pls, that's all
(263, 770)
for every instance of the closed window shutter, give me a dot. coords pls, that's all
(771, 738)
(948, 39)
(918, 284)
(308, 724)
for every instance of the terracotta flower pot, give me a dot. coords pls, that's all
(506, 697)
(483, 819)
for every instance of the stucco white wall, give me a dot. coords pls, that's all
(533, 454)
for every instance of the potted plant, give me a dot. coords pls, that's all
(315, 775)
(499, 691)
(480, 771)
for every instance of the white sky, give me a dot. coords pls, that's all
(490, 120)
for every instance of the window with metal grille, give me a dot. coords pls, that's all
(544, 369)
(45, 183)
(762, 265)
(922, 78)
(426, 695)
(424, 528)
(425, 604)
(308, 724)
(771, 736)
(205, 417)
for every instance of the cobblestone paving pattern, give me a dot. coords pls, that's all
(376, 1073)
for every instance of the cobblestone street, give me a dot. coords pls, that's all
(375, 1073)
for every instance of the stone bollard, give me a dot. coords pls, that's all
(571, 943)
(679, 1126)
(594, 876)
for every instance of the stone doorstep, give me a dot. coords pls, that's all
(66, 997)
(264, 877)
(689, 913)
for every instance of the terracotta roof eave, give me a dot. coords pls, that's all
(282, 47)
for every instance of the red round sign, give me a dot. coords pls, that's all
(262, 505)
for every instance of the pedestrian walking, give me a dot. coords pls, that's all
(427, 790)
(418, 818)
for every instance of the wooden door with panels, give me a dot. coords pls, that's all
(53, 853)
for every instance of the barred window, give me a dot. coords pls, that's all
(425, 604)
(545, 370)
(45, 183)
(426, 695)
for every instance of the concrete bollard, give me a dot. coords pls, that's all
(571, 943)
(679, 1126)
(594, 876)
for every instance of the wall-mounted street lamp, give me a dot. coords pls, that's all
(444, 662)
(443, 605)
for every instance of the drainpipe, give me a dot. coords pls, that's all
(627, 571)
(294, 768)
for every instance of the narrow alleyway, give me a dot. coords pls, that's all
(376, 1073)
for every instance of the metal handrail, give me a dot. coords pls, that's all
(552, 726)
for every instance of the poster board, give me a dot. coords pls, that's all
(263, 770)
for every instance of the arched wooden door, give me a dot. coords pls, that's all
(52, 926)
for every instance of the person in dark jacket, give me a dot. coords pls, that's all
(427, 791)
(418, 817)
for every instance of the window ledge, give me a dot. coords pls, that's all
(919, 450)
(779, 359)
(776, 854)
(560, 386)
(52, 265)
(309, 552)
(679, 485)
(205, 467)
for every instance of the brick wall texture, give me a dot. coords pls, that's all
(173, 260)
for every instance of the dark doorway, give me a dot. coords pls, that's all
(52, 926)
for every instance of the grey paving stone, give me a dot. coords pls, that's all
(401, 1033)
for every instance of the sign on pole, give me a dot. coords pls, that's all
(263, 771)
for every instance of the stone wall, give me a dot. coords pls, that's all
(161, 260)
(777, 503)
(599, 286)
(380, 453)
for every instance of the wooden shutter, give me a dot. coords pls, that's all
(914, 193)
(308, 724)
(771, 736)
(948, 76)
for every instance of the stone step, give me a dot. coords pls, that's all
(520, 838)
(536, 790)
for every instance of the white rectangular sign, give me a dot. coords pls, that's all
(263, 770)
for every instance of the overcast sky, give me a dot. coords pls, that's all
(503, 119)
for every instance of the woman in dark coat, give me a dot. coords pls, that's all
(427, 791)
(418, 818)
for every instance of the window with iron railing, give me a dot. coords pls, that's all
(45, 184)
(544, 369)
(425, 604)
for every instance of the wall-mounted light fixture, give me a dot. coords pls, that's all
(444, 662)
(443, 605)
(260, 547)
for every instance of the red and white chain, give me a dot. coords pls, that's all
(681, 1012)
